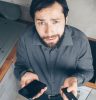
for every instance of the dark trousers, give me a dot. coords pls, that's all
(46, 97)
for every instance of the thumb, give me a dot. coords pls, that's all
(71, 89)
(22, 84)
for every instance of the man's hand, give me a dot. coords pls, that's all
(29, 77)
(71, 83)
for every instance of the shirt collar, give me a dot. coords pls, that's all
(67, 40)
(67, 37)
(36, 40)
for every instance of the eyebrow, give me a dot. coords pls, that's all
(40, 20)
(44, 19)
(56, 19)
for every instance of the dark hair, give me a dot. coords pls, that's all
(40, 4)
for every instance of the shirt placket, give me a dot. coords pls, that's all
(52, 62)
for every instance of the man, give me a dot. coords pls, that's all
(53, 52)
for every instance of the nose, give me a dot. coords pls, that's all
(48, 30)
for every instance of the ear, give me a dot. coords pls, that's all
(66, 19)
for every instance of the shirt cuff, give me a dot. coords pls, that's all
(80, 79)
(22, 73)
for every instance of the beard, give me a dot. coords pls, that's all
(49, 38)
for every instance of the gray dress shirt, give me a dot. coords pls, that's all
(70, 57)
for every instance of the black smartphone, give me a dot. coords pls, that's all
(69, 95)
(32, 89)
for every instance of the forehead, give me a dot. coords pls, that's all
(54, 10)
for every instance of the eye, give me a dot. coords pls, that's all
(55, 22)
(41, 23)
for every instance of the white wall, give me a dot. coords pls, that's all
(82, 14)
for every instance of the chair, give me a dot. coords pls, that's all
(10, 11)
(93, 50)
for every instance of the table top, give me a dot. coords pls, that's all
(87, 91)
(10, 32)
(91, 85)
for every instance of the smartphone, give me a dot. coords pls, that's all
(69, 95)
(32, 89)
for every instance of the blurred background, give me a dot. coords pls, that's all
(82, 14)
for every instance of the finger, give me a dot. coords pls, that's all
(72, 89)
(61, 92)
(28, 81)
(40, 93)
(22, 84)
(75, 93)
(45, 89)
(37, 96)
(64, 96)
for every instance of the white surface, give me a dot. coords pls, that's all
(8, 86)
(92, 96)
(87, 93)
(84, 92)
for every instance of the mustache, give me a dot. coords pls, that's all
(53, 36)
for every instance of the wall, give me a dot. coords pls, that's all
(82, 14)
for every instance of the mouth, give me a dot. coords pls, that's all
(50, 38)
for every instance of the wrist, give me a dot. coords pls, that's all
(24, 72)
(73, 79)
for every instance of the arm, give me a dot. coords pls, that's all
(84, 68)
(22, 70)
(22, 64)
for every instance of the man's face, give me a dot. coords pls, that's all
(50, 23)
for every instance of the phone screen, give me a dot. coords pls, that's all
(32, 89)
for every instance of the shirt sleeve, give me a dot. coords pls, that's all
(22, 64)
(84, 67)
